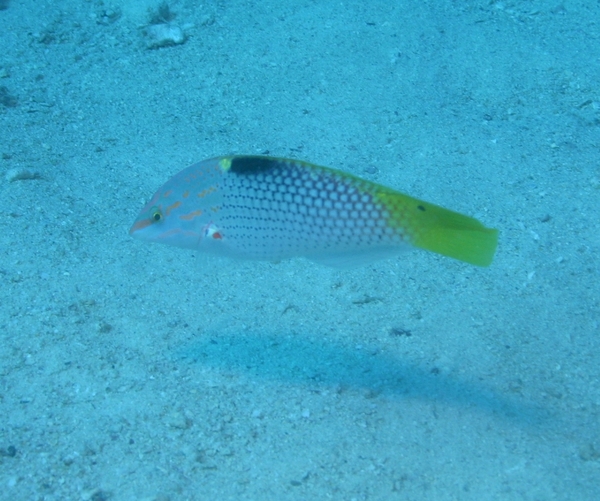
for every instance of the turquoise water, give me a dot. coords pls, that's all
(137, 371)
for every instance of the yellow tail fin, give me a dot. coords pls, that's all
(440, 230)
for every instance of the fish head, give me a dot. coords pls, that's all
(180, 213)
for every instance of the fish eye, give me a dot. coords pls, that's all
(156, 215)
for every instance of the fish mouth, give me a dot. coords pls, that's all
(139, 225)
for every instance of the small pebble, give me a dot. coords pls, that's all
(6, 98)
(104, 327)
(95, 495)
(20, 174)
(177, 420)
(400, 332)
(10, 451)
(108, 16)
(69, 459)
(589, 453)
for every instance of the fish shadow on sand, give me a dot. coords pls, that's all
(323, 363)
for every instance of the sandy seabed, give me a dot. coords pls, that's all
(131, 371)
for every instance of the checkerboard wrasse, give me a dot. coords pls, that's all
(258, 207)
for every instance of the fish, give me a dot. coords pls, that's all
(267, 208)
